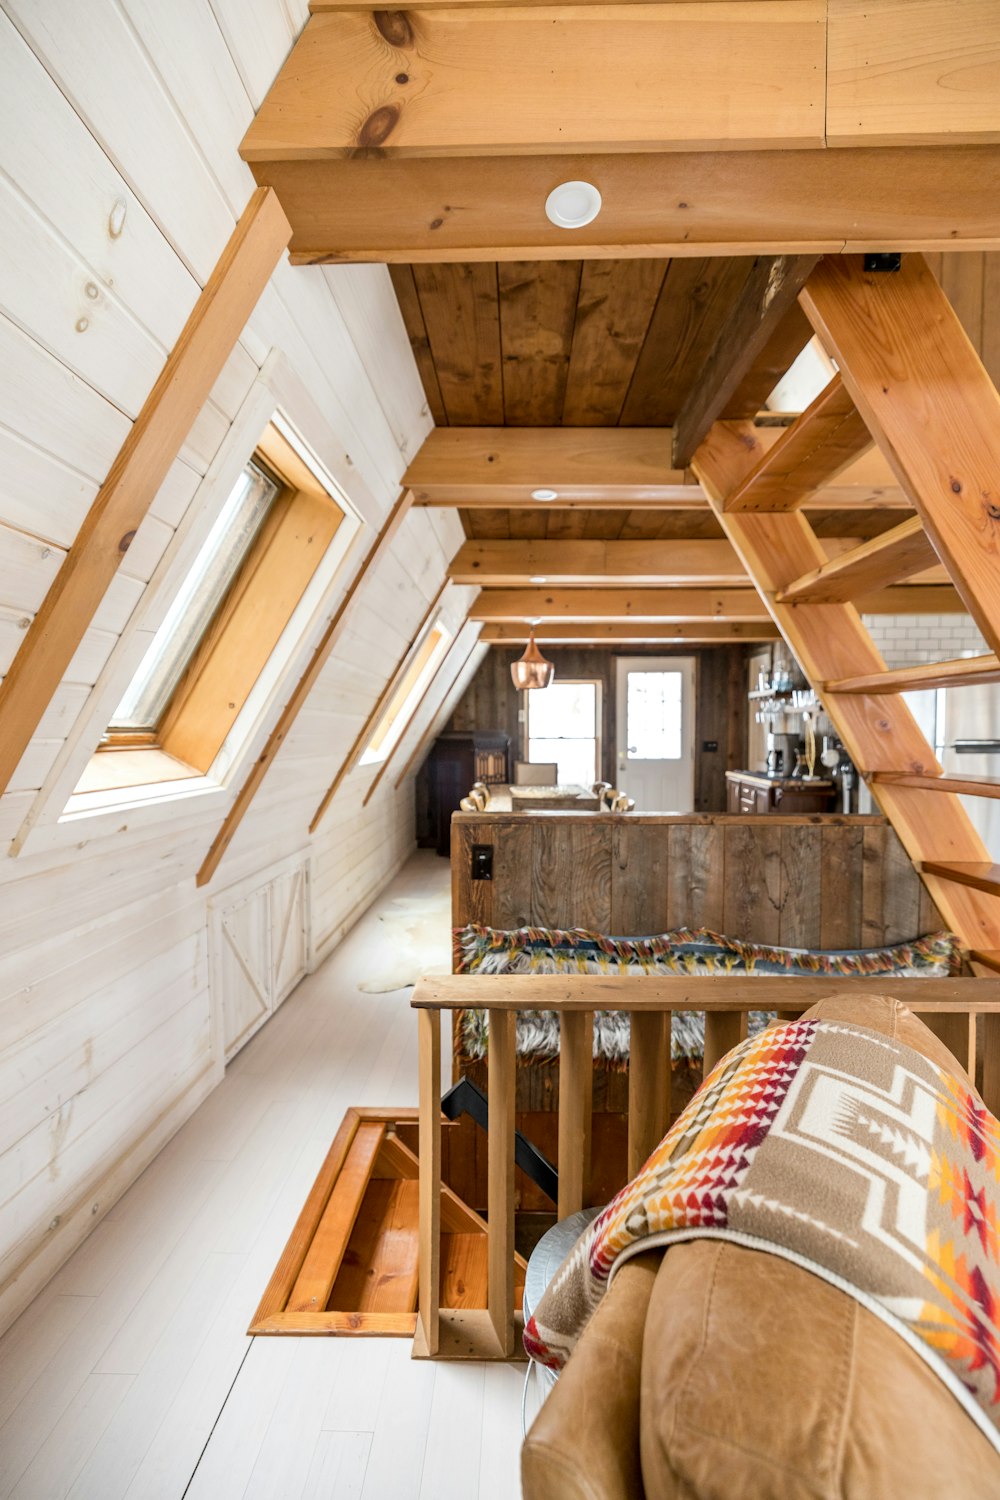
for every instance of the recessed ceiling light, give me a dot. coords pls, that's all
(544, 495)
(571, 205)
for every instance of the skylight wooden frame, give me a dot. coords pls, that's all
(277, 391)
(260, 601)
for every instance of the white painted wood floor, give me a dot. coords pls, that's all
(132, 1376)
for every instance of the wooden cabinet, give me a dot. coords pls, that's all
(753, 794)
(458, 759)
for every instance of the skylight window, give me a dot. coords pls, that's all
(214, 654)
(197, 603)
(406, 699)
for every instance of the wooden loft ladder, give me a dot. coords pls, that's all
(910, 380)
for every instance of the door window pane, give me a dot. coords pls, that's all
(653, 709)
(562, 727)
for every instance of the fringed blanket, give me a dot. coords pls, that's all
(688, 952)
(846, 1152)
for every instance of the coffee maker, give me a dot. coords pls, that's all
(781, 754)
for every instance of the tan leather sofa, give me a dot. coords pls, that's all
(715, 1372)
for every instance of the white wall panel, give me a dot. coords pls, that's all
(114, 207)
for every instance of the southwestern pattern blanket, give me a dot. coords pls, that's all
(848, 1153)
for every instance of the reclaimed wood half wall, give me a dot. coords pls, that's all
(803, 882)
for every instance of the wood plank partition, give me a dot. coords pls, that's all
(808, 882)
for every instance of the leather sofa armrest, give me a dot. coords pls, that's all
(584, 1443)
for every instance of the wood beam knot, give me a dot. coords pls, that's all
(395, 27)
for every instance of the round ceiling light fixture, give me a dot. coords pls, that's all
(571, 205)
(544, 495)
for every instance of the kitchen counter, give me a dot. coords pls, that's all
(758, 793)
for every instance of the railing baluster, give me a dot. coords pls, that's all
(989, 1022)
(429, 1190)
(957, 1029)
(648, 1084)
(500, 1177)
(724, 1029)
(576, 1101)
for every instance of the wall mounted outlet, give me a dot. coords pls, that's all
(482, 861)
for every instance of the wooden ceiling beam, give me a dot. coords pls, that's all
(650, 605)
(140, 467)
(497, 465)
(681, 604)
(931, 406)
(828, 437)
(440, 83)
(416, 82)
(767, 297)
(492, 208)
(599, 468)
(438, 133)
(600, 632)
(703, 563)
(512, 563)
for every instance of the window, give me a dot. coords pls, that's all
(413, 683)
(197, 603)
(218, 635)
(563, 727)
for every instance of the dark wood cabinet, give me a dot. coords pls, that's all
(753, 794)
(458, 759)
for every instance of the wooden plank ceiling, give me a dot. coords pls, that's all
(589, 343)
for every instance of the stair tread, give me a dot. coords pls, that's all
(972, 786)
(981, 874)
(954, 673)
(877, 563)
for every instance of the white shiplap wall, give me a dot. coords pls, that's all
(120, 184)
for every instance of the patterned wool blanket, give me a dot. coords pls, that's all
(846, 1152)
(686, 952)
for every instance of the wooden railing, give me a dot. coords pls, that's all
(959, 1011)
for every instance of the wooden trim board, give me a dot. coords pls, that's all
(657, 992)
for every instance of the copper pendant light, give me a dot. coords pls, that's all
(532, 670)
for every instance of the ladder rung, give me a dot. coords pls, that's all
(886, 559)
(827, 437)
(959, 786)
(981, 875)
(964, 672)
(988, 957)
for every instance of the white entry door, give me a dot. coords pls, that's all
(655, 731)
